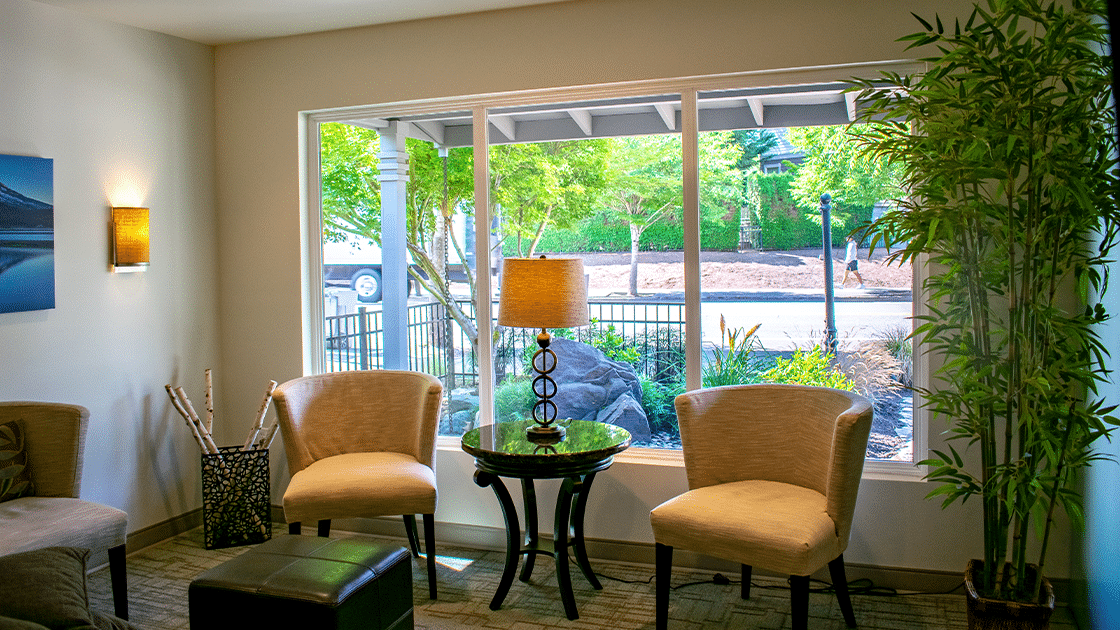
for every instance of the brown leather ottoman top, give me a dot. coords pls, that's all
(307, 581)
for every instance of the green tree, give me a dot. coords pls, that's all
(835, 165)
(645, 175)
(545, 184)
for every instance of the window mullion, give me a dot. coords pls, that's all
(483, 291)
(690, 139)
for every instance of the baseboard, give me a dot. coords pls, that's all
(640, 553)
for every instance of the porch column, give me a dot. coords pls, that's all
(393, 176)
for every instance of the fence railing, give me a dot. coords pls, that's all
(437, 345)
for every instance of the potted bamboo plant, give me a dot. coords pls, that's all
(1007, 143)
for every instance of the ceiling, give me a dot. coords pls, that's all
(226, 21)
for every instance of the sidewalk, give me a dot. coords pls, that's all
(868, 294)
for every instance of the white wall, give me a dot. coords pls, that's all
(262, 86)
(127, 116)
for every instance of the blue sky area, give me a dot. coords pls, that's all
(29, 176)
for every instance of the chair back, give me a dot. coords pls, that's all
(813, 437)
(55, 437)
(361, 411)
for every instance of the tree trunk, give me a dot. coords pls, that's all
(635, 236)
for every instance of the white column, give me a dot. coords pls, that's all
(483, 291)
(393, 175)
(690, 156)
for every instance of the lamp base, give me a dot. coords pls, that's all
(550, 434)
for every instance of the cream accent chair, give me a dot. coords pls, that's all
(773, 472)
(362, 444)
(55, 438)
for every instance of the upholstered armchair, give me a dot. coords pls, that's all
(361, 444)
(53, 436)
(773, 471)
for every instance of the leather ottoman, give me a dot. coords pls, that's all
(307, 582)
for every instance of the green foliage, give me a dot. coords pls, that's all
(833, 164)
(733, 362)
(1006, 149)
(788, 224)
(808, 367)
(612, 344)
(514, 399)
(657, 401)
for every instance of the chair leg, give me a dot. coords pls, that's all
(663, 573)
(745, 587)
(799, 601)
(119, 576)
(840, 585)
(325, 528)
(413, 537)
(294, 528)
(430, 545)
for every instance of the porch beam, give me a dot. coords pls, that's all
(582, 117)
(758, 110)
(668, 114)
(506, 125)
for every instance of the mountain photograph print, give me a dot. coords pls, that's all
(26, 233)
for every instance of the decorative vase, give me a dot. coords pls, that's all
(997, 614)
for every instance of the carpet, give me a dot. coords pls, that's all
(158, 577)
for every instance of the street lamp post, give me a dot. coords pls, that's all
(829, 305)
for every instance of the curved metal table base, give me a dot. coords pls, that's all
(571, 505)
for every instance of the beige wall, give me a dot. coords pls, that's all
(262, 86)
(127, 116)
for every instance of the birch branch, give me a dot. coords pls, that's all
(255, 430)
(186, 402)
(209, 402)
(183, 412)
(265, 440)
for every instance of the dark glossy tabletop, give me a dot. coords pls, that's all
(503, 449)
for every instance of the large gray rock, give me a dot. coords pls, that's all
(592, 387)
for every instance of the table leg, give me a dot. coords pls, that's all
(532, 542)
(513, 533)
(572, 486)
(577, 534)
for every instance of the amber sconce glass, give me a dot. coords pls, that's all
(130, 240)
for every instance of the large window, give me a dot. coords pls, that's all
(607, 181)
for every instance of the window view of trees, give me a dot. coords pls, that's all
(617, 204)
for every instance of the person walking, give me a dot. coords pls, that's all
(851, 262)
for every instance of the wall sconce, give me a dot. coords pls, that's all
(130, 240)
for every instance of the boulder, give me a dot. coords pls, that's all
(592, 387)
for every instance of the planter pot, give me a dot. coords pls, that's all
(997, 614)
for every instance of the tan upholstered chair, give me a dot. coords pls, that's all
(362, 444)
(773, 472)
(54, 438)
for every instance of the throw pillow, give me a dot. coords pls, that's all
(46, 586)
(15, 478)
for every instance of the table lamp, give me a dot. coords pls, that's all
(543, 293)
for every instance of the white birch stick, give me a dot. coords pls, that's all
(186, 402)
(255, 430)
(209, 402)
(266, 438)
(186, 417)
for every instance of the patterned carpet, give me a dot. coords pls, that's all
(159, 575)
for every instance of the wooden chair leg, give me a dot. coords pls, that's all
(294, 528)
(799, 601)
(745, 587)
(119, 575)
(663, 573)
(325, 528)
(840, 585)
(430, 545)
(413, 537)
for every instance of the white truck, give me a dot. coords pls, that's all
(355, 263)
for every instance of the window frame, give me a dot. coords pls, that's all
(479, 106)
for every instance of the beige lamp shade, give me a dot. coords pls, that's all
(130, 239)
(543, 293)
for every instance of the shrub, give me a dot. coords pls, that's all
(808, 367)
(514, 399)
(732, 362)
(657, 400)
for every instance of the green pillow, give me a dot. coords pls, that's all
(46, 586)
(15, 477)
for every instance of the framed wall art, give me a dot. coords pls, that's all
(26, 233)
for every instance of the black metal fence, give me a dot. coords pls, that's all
(437, 344)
